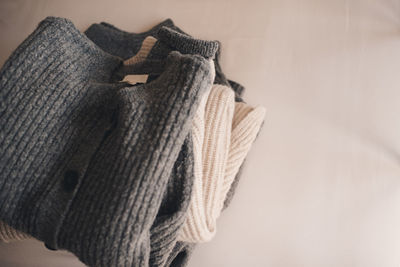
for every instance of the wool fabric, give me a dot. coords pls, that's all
(169, 36)
(8, 233)
(126, 45)
(230, 130)
(198, 125)
(206, 204)
(246, 124)
(86, 159)
(211, 141)
(181, 182)
(214, 170)
(121, 43)
(178, 194)
(187, 172)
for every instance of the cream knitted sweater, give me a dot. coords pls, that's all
(230, 128)
(211, 141)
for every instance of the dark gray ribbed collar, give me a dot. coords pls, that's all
(121, 43)
(127, 44)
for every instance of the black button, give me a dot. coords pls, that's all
(70, 180)
(49, 247)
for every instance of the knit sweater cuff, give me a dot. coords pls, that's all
(187, 44)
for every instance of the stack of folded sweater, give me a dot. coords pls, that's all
(116, 171)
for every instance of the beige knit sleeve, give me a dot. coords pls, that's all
(205, 206)
(246, 124)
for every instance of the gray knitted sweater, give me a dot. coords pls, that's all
(126, 44)
(85, 160)
(170, 37)
(172, 213)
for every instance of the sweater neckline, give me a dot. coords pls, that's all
(159, 67)
(152, 31)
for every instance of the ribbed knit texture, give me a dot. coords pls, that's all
(222, 155)
(53, 117)
(211, 187)
(126, 44)
(177, 197)
(109, 37)
(153, 122)
(145, 49)
(246, 125)
(220, 78)
(120, 43)
(206, 204)
(162, 254)
(182, 167)
(179, 189)
(173, 208)
(8, 233)
(180, 254)
(211, 144)
(180, 183)
(123, 146)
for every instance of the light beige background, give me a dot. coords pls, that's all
(322, 183)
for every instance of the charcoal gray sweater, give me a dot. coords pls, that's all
(170, 37)
(85, 159)
(176, 200)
